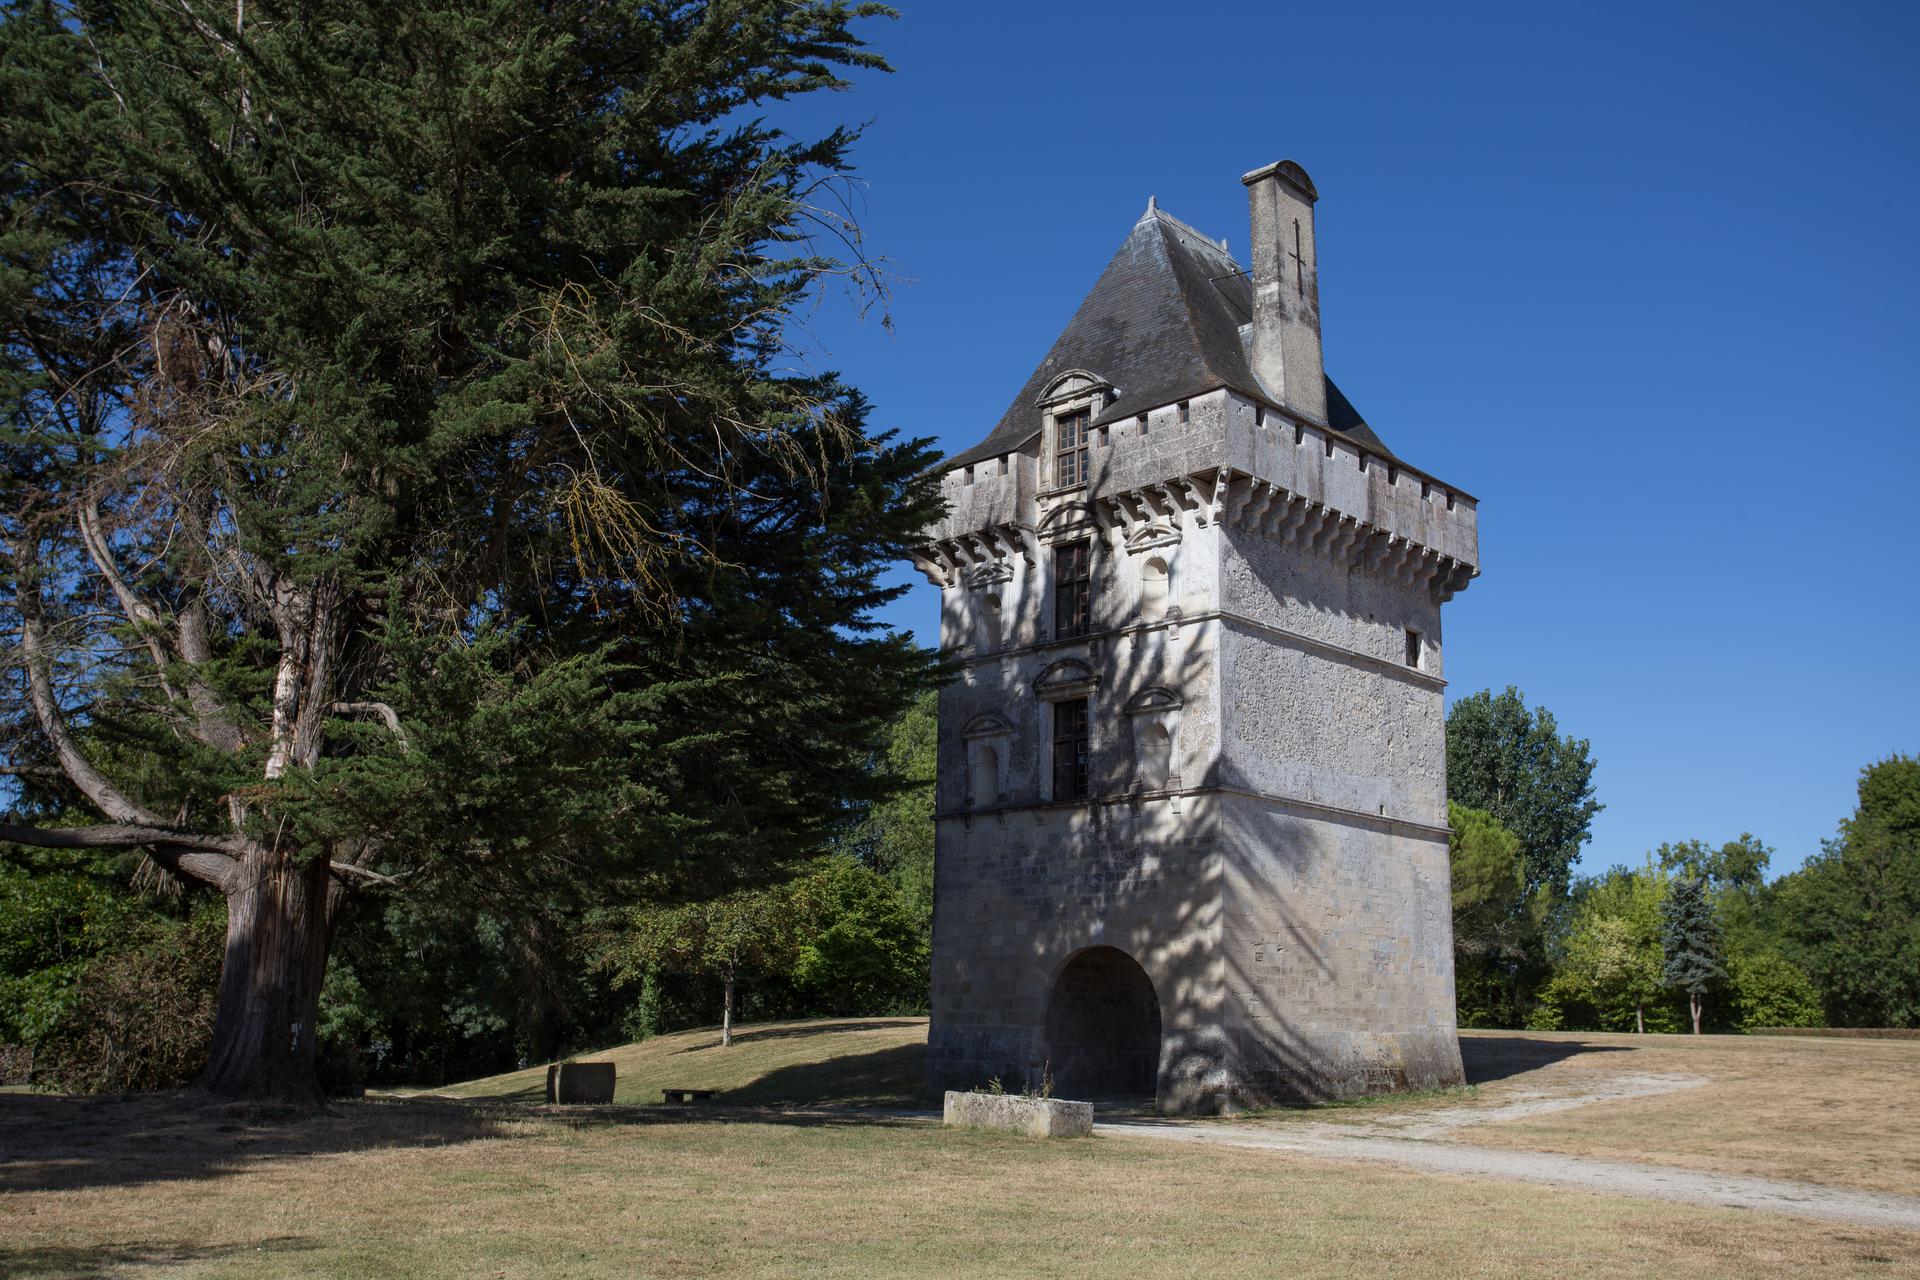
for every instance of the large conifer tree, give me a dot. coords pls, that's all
(410, 486)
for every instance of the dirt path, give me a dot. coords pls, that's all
(1420, 1140)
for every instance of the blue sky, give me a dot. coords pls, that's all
(1644, 279)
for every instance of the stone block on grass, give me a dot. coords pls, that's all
(569, 1083)
(1011, 1113)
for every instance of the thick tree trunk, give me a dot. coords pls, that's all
(1693, 1004)
(1640, 1019)
(726, 1015)
(277, 939)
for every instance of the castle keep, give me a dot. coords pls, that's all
(1191, 806)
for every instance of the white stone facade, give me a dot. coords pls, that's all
(1263, 825)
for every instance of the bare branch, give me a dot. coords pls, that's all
(381, 709)
(211, 860)
(372, 877)
(138, 611)
(79, 770)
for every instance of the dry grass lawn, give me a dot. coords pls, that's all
(138, 1189)
(153, 1187)
(1841, 1112)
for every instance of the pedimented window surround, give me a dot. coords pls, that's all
(1155, 713)
(1067, 678)
(1068, 407)
(987, 737)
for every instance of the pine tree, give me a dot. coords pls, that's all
(408, 487)
(1690, 939)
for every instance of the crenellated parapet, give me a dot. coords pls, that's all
(1300, 485)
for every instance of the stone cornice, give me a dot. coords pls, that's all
(1135, 517)
(1387, 666)
(1338, 813)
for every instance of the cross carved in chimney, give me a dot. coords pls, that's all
(1299, 272)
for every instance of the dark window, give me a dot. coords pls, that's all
(1072, 589)
(1071, 456)
(1413, 648)
(1070, 749)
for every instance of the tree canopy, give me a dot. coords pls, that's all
(412, 486)
(1512, 762)
(1852, 913)
(1496, 923)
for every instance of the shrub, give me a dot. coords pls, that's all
(141, 1016)
(1771, 991)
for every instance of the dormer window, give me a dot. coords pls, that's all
(1068, 406)
(1070, 447)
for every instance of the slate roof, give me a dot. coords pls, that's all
(1163, 324)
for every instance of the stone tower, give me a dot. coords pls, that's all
(1191, 808)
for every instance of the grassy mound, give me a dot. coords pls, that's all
(828, 1062)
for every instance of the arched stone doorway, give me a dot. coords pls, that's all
(1103, 1027)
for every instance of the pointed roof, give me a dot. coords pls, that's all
(1163, 322)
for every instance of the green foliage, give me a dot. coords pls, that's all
(1608, 974)
(1768, 990)
(839, 939)
(1738, 866)
(1852, 913)
(141, 1016)
(1513, 763)
(52, 924)
(867, 950)
(1689, 937)
(1497, 923)
(442, 357)
(895, 835)
(750, 933)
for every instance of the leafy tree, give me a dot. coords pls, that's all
(1496, 923)
(745, 934)
(867, 951)
(52, 925)
(1608, 975)
(1736, 866)
(1690, 942)
(141, 1015)
(407, 492)
(1768, 990)
(1513, 763)
(894, 835)
(1852, 913)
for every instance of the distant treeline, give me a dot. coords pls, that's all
(1695, 927)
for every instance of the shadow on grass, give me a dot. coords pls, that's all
(51, 1143)
(883, 1077)
(88, 1261)
(802, 1030)
(1489, 1058)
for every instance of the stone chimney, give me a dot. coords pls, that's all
(1285, 348)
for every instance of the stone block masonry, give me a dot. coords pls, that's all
(1191, 840)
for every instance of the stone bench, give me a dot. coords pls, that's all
(686, 1095)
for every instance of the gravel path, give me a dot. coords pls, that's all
(1419, 1141)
